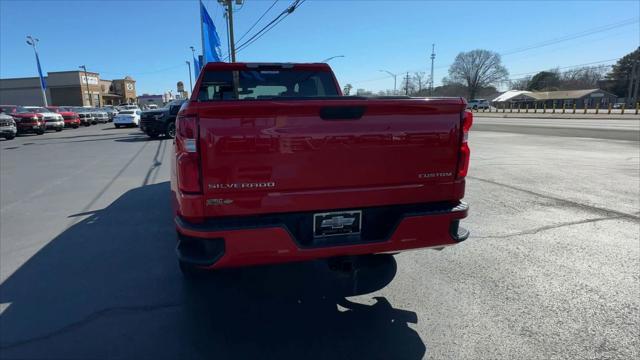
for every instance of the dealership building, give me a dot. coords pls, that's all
(68, 88)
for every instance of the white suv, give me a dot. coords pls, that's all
(476, 104)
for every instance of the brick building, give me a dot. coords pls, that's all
(68, 88)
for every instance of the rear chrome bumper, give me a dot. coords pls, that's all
(280, 238)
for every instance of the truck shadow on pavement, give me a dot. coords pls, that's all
(109, 286)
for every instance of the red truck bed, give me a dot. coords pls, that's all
(294, 178)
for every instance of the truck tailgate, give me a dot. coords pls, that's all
(300, 155)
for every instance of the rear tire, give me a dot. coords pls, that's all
(10, 137)
(39, 132)
(117, 126)
(75, 126)
(170, 130)
(153, 135)
(58, 129)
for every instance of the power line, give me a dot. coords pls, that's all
(567, 67)
(258, 21)
(286, 12)
(568, 37)
(572, 36)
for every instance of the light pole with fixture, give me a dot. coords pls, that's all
(190, 84)
(331, 58)
(33, 41)
(394, 79)
(86, 80)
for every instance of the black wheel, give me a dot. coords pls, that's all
(74, 126)
(39, 132)
(10, 137)
(117, 126)
(475, 107)
(58, 129)
(170, 130)
(86, 124)
(153, 135)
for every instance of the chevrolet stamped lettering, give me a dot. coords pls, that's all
(272, 164)
(433, 175)
(236, 186)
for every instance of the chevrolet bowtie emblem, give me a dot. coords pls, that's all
(338, 222)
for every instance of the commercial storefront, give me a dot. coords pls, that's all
(588, 98)
(68, 88)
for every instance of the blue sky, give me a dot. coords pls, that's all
(150, 40)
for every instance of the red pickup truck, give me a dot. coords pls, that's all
(272, 164)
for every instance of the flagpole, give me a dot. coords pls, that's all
(32, 41)
(202, 33)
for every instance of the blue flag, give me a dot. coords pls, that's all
(42, 80)
(210, 39)
(196, 67)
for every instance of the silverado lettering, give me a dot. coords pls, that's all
(354, 175)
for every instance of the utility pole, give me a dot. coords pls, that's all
(406, 84)
(86, 80)
(33, 41)
(632, 92)
(190, 83)
(433, 57)
(637, 86)
(232, 43)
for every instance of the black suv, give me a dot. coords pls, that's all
(161, 121)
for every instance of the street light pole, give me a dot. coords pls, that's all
(190, 83)
(394, 79)
(33, 41)
(331, 58)
(86, 80)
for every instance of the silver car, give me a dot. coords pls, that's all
(8, 128)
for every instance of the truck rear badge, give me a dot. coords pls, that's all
(216, 202)
(236, 186)
(434, 175)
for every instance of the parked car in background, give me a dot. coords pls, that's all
(70, 117)
(52, 120)
(28, 121)
(8, 109)
(85, 117)
(127, 118)
(161, 121)
(100, 117)
(618, 105)
(111, 112)
(8, 128)
(128, 107)
(476, 104)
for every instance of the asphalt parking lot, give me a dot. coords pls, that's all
(551, 270)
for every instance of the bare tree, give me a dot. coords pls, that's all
(583, 77)
(477, 69)
(420, 81)
(520, 84)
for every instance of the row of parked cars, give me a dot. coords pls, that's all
(16, 119)
(35, 119)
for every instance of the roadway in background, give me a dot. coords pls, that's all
(88, 268)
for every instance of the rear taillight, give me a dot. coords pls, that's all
(187, 157)
(465, 152)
